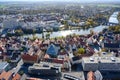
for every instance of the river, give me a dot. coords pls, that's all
(64, 33)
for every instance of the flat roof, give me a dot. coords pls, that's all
(101, 59)
(45, 65)
(79, 75)
(89, 60)
(110, 60)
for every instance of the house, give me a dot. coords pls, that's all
(16, 77)
(6, 75)
(33, 55)
(29, 58)
(4, 66)
(64, 64)
(52, 50)
(9, 76)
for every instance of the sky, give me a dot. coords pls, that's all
(63, 0)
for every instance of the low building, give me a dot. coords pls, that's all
(44, 69)
(73, 76)
(65, 65)
(9, 76)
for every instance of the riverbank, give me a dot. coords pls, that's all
(64, 33)
(68, 32)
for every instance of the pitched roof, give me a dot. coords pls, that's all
(52, 50)
(16, 77)
(98, 75)
(59, 61)
(28, 57)
(90, 76)
(5, 75)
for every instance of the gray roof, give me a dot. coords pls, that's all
(52, 50)
(23, 77)
(3, 65)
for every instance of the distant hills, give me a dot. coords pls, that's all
(80, 1)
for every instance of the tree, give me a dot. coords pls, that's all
(91, 32)
(18, 32)
(80, 51)
(47, 35)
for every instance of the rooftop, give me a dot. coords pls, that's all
(3, 65)
(5, 75)
(79, 75)
(101, 59)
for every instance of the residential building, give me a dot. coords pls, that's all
(32, 56)
(29, 59)
(9, 76)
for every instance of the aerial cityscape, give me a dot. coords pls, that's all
(59, 39)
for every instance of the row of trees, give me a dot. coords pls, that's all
(115, 29)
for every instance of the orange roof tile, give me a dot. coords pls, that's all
(90, 76)
(16, 77)
(2, 74)
(5, 75)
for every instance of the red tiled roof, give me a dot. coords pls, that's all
(90, 76)
(5, 75)
(58, 61)
(16, 77)
(46, 56)
(28, 57)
